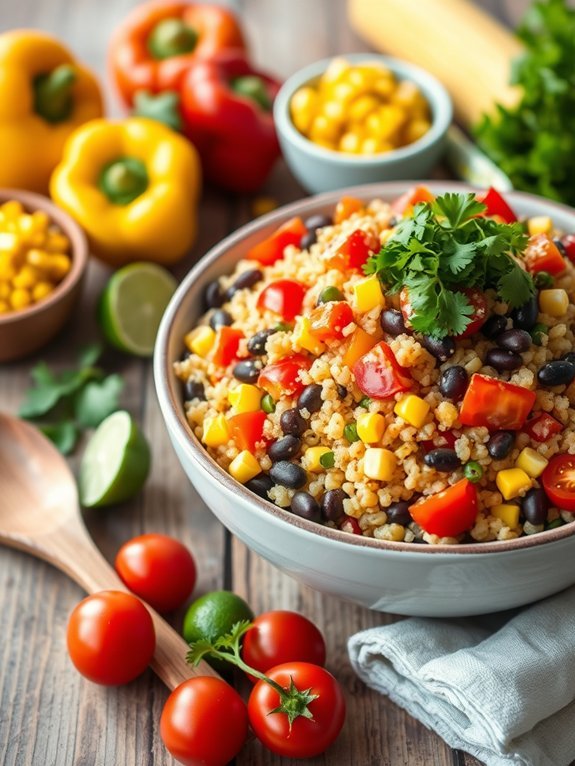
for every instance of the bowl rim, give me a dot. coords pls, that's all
(31, 201)
(434, 91)
(176, 423)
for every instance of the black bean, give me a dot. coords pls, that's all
(261, 485)
(291, 422)
(318, 221)
(441, 348)
(557, 373)
(398, 513)
(332, 505)
(194, 389)
(442, 459)
(453, 383)
(501, 444)
(310, 398)
(503, 360)
(186, 354)
(257, 343)
(514, 340)
(220, 318)
(245, 280)
(569, 357)
(288, 474)
(525, 317)
(341, 391)
(391, 321)
(306, 506)
(284, 448)
(308, 239)
(495, 325)
(213, 295)
(248, 371)
(535, 506)
(560, 246)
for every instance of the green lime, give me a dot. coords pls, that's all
(132, 305)
(115, 463)
(214, 614)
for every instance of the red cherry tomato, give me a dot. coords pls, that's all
(247, 429)
(110, 637)
(558, 481)
(354, 251)
(328, 320)
(204, 722)
(282, 636)
(272, 249)
(448, 513)
(378, 374)
(496, 205)
(542, 427)
(283, 377)
(542, 254)
(495, 404)
(308, 736)
(477, 299)
(158, 569)
(568, 242)
(404, 205)
(283, 297)
(226, 345)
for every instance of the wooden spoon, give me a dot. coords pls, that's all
(40, 514)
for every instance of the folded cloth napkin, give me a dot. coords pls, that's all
(501, 687)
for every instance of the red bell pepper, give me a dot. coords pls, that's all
(283, 297)
(328, 320)
(448, 513)
(568, 242)
(282, 377)
(496, 205)
(226, 345)
(495, 404)
(542, 427)
(271, 249)
(379, 375)
(354, 251)
(247, 428)
(542, 254)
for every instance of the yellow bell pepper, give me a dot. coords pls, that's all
(133, 186)
(44, 95)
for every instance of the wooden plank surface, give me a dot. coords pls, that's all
(49, 715)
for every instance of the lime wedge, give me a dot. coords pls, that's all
(132, 305)
(115, 463)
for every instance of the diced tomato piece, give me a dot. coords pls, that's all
(350, 525)
(477, 299)
(542, 254)
(247, 428)
(404, 205)
(328, 320)
(283, 377)
(495, 404)
(378, 374)
(542, 427)
(272, 249)
(496, 205)
(360, 344)
(568, 242)
(346, 207)
(558, 481)
(405, 306)
(448, 513)
(283, 297)
(226, 345)
(354, 252)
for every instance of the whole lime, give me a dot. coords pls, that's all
(214, 614)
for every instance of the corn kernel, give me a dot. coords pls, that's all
(384, 86)
(350, 142)
(416, 129)
(324, 129)
(370, 145)
(200, 340)
(509, 514)
(245, 398)
(370, 427)
(303, 106)
(553, 302)
(39, 259)
(412, 409)
(361, 107)
(306, 338)
(9, 242)
(12, 209)
(216, 431)
(26, 277)
(531, 462)
(4, 307)
(20, 299)
(512, 481)
(5, 290)
(336, 69)
(334, 110)
(407, 94)
(344, 92)
(311, 459)
(539, 224)
(60, 265)
(42, 290)
(367, 294)
(244, 467)
(379, 463)
(40, 221)
(57, 242)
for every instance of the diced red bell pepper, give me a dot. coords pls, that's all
(328, 320)
(247, 428)
(495, 404)
(354, 251)
(404, 205)
(226, 345)
(542, 254)
(378, 374)
(441, 439)
(350, 525)
(281, 378)
(346, 207)
(542, 427)
(496, 205)
(283, 297)
(477, 298)
(448, 513)
(568, 242)
(272, 249)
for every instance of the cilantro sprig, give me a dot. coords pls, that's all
(445, 246)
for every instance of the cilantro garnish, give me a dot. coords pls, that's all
(446, 246)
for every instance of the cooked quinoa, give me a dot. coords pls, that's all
(375, 507)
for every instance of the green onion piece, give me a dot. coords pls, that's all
(364, 402)
(283, 327)
(543, 279)
(350, 433)
(473, 471)
(555, 523)
(268, 405)
(329, 294)
(327, 460)
(537, 333)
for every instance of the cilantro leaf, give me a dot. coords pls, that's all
(515, 287)
(97, 400)
(64, 435)
(457, 207)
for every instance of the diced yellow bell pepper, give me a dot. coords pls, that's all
(245, 398)
(554, 302)
(539, 224)
(370, 427)
(531, 462)
(412, 409)
(306, 338)
(361, 342)
(367, 294)
(200, 340)
(509, 514)
(216, 431)
(311, 458)
(244, 467)
(379, 463)
(512, 481)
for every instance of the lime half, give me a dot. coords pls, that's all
(132, 305)
(115, 463)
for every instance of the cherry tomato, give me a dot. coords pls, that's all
(110, 637)
(226, 345)
(568, 242)
(328, 320)
(282, 636)
(204, 722)
(477, 299)
(308, 736)
(542, 254)
(378, 374)
(354, 251)
(283, 377)
(558, 481)
(404, 205)
(272, 249)
(283, 297)
(247, 429)
(542, 427)
(495, 404)
(158, 569)
(448, 513)
(346, 207)
(496, 205)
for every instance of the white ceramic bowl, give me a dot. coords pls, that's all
(396, 577)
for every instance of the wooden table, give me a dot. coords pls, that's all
(50, 715)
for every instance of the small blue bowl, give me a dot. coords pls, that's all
(319, 169)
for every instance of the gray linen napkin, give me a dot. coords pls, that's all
(500, 687)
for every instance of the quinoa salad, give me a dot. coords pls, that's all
(401, 371)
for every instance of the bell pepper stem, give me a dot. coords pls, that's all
(163, 107)
(171, 37)
(254, 88)
(123, 180)
(53, 99)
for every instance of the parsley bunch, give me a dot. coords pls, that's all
(445, 247)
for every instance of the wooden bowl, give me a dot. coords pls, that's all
(25, 331)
